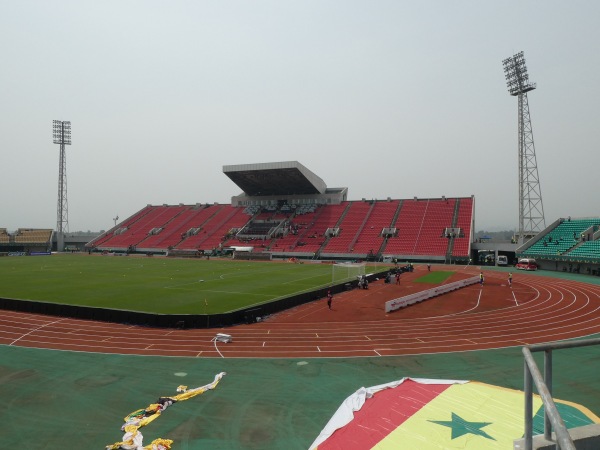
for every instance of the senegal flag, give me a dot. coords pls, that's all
(423, 414)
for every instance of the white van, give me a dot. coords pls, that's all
(501, 260)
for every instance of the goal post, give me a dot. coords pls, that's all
(342, 272)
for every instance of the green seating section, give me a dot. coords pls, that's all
(589, 249)
(562, 238)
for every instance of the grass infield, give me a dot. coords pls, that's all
(435, 277)
(156, 285)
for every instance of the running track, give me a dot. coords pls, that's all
(536, 309)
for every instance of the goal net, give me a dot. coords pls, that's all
(346, 272)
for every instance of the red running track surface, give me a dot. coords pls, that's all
(534, 310)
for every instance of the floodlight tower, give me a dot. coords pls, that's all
(531, 208)
(62, 136)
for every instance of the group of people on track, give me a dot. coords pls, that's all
(364, 283)
(482, 279)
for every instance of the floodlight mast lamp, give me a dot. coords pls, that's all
(61, 132)
(531, 209)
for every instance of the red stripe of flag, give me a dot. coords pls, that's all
(382, 414)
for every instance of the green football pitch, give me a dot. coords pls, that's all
(436, 277)
(160, 285)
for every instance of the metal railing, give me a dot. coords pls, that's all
(552, 418)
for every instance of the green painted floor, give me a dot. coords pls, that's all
(63, 400)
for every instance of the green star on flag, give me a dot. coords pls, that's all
(461, 426)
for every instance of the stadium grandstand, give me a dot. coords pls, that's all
(285, 211)
(25, 240)
(567, 245)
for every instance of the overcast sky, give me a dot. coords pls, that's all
(388, 98)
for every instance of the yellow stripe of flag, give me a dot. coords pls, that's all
(472, 416)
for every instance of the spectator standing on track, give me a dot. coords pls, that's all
(509, 279)
(481, 278)
(363, 283)
(428, 267)
(329, 298)
(397, 276)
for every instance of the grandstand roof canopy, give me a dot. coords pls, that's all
(278, 178)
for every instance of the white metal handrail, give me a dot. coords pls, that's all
(552, 418)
